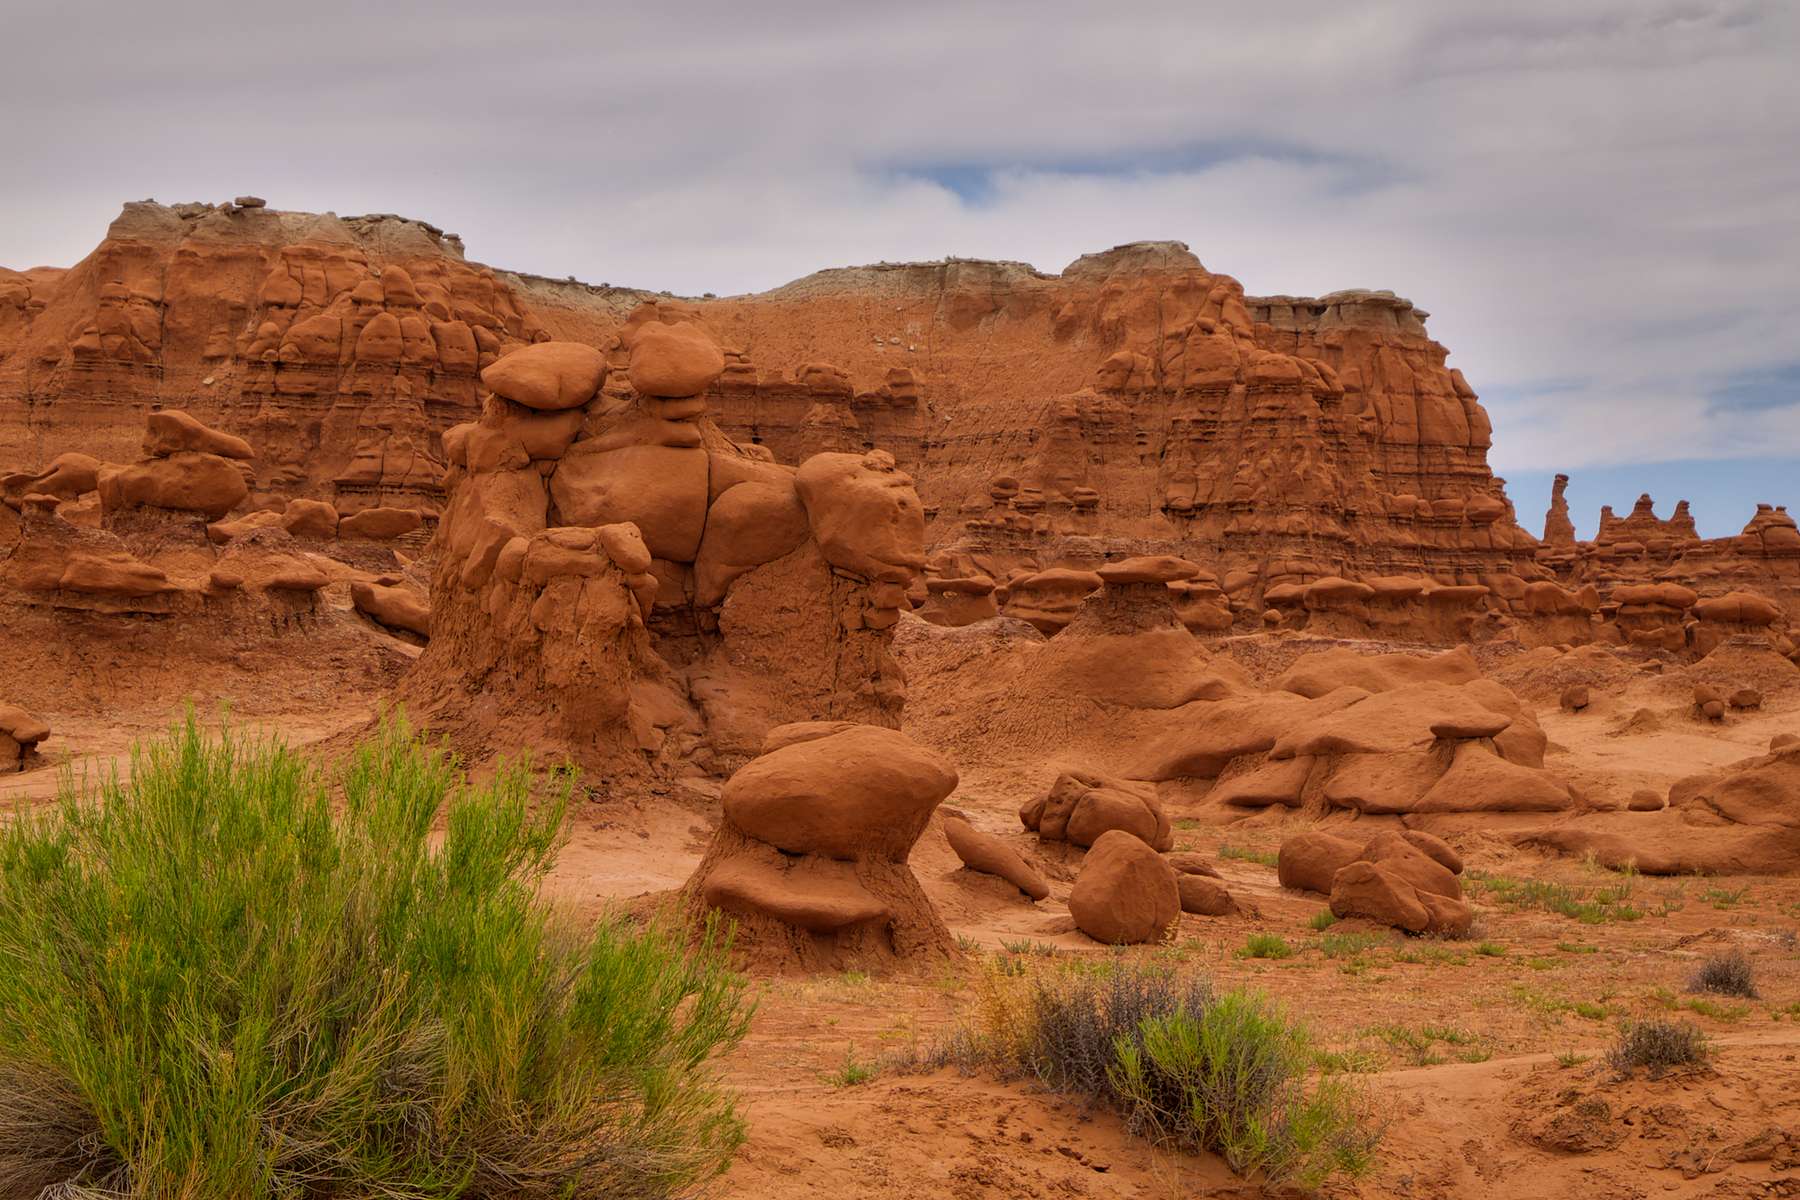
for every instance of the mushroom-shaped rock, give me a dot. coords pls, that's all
(988, 854)
(1151, 568)
(857, 793)
(172, 431)
(674, 361)
(1082, 806)
(20, 733)
(1125, 893)
(395, 607)
(113, 575)
(1048, 599)
(548, 376)
(811, 855)
(1744, 608)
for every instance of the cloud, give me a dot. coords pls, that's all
(1599, 203)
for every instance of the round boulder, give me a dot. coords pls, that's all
(674, 361)
(1125, 894)
(548, 376)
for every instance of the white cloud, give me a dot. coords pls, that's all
(1601, 197)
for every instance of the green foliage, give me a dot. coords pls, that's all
(1265, 945)
(219, 985)
(1491, 950)
(1228, 1073)
(1322, 920)
(1267, 858)
(852, 1073)
(1590, 906)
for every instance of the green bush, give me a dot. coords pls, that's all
(220, 984)
(1266, 945)
(1229, 1073)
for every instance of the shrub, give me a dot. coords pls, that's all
(220, 985)
(1227, 1073)
(1658, 1045)
(1322, 920)
(1266, 945)
(1725, 975)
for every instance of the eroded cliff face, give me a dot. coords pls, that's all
(1136, 403)
(342, 347)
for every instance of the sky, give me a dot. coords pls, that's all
(1598, 202)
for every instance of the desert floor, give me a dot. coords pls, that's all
(1484, 1057)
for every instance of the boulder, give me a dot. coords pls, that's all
(172, 431)
(1125, 894)
(1081, 806)
(1310, 861)
(1645, 800)
(1396, 882)
(1203, 896)
(988, 854)
(674, 361)
(379, 524)
(548, 376)
(395, 607)
(310, 519)
(1575, 697)
(184, 481)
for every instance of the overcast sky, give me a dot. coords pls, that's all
(1597, 200)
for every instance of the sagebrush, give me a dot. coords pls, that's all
(1229, 1073)
(220, 982)
(1658, 1046)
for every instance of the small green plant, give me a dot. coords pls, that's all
(852, 1073)
(1715, 1010)
(1016, 945)
(1265, 945)
(967, 944)
(1725, 898)
(1728, 974)
(1267, 858)
(1569, 1058)
(1346, 1062)
(1589, 1010)
(1658, 1046)
(1577, 948)
(1491, 950)
(1322, 920)
(1347, 945)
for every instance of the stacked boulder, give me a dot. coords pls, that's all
(187, 468)
(1404, 878)
(615, 574)
(811, 854)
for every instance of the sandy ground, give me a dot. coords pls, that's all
(1484, 1057)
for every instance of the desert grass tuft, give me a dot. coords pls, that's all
(221, 984)
(1657, 1046)
(1728, 974)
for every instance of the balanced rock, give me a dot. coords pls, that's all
(548, 376)
(310, 519)
(20, 733)
(1125, 893)
(381, 523)
(674, 360)
(172, 431)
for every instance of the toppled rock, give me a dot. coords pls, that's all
(810, 856)
(1125, 893)
(988, 854)
(1406, 879)
(1082, 806)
